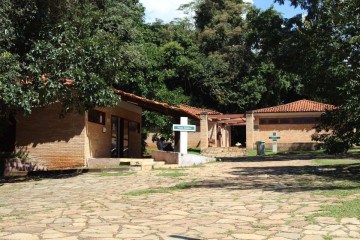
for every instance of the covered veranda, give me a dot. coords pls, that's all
(215, 127)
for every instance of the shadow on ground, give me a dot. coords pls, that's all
(285, 157)
(40, 175)
(287, 178)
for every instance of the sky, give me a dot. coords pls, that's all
(166, 10)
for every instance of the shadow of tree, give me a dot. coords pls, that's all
(40, 175)
(289, 178)
(285, 157)
(183, 237)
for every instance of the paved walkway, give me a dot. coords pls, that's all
(232, 200)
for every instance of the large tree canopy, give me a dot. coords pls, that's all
(331, 67)
(46, 43)
(252, 46)
(232, 57)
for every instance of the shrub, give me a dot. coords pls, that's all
(334, 145)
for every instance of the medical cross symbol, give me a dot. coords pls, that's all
(274, 139)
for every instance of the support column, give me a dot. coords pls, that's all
(249, 130)
(183, 136)
(176, 136)
(204, 131)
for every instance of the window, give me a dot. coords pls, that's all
(305, 120)
(96, 116)
(285, 120)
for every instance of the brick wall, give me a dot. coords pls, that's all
(52, 142)
(193, 139)
(289, 133)
(98, 143)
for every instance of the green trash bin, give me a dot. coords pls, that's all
(260, 148)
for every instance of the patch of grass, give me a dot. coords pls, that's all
(327, 237)
(340, 189)
(260, 226)
(268, 152)
(230, 232)
(308, 152)
(331, 162)
(173, 174)
(252, 153)
(179, 186)
(195, 151)
(311, 219)
(354, 150)
(114, 174)
(347, 209)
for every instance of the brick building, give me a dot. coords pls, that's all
(194, 138)
(293, 122)
(62, 143)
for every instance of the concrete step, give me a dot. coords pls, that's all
(159, 163)
(134, 164)
(134, 161)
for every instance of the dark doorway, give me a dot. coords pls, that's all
(119, 137)
(7, 134)
(7, 139)
(238, 134)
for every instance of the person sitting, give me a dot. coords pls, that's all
(161, 145)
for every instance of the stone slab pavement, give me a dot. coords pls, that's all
(231, 200)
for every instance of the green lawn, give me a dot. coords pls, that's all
(344, 185)
(345, 209)
(268, 152)
(333, 162)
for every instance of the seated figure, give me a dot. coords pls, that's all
(163, 146)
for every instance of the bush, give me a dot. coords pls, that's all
(20, 153)
(334, 145)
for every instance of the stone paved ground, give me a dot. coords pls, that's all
(232, 200)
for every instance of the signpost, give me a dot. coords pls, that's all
(274, 139)
(183, 128)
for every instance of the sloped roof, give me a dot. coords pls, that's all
(155, 105)
(303, 105)
(197, 111)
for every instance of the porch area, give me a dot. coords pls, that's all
(134, 164)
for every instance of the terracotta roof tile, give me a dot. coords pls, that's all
(155, 105)
(197, 111)
(298, 106)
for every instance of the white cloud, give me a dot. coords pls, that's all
(165, 10)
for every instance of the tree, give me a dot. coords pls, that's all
(70, 52)
(252, 45)
(90, 43)
(331, 68)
